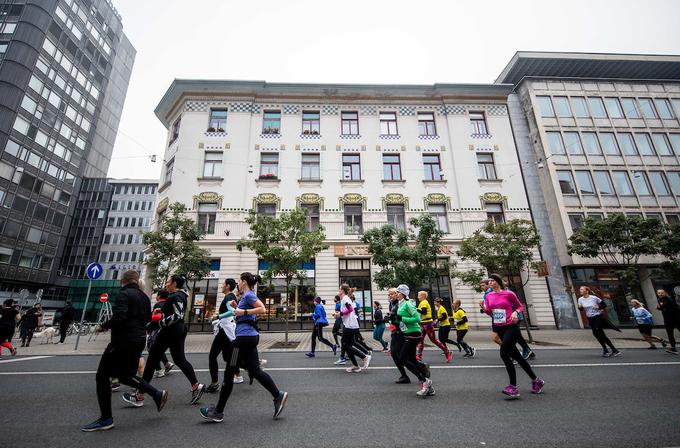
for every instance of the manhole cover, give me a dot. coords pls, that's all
(280, 345)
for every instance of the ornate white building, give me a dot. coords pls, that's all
(357, 157)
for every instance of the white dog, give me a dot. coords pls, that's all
(47, 335)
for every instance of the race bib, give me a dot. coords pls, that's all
(498, 316)
(641, 320)
(402, 326)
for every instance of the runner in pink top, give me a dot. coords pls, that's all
(503, 307)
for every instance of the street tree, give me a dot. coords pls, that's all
(173, 248)
(285, 242)
(407, 256)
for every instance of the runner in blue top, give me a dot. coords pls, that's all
(244, 350)
(320, 321)
(643, 319)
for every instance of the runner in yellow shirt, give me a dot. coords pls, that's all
(461, 320)
(444, 323)
(427, 327)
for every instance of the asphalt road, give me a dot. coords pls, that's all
(588, 401)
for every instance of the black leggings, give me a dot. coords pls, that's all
(243, 352)
(149, 342)
(317, 332)
(443, 336)
(121, 363)
(348, 345)
(671, 324)
(360, 343)
(597, 326)
(407, 355)
(172, 338)
(509, 335)
(460, 334)
(220, 344)
(396, 343)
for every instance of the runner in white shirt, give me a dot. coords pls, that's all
(593, 307)
(351, 324)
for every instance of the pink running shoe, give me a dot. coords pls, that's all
(537, 386)
(512, 392)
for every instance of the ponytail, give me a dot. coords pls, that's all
(251, 279)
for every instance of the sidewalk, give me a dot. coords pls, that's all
(480, 339)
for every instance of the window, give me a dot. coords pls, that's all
(351, 167)
(545, 106)
(613, 107)
(641, 183)
(426, 125)
(555, 142)
(584, 182)
(107, 238)
(673, 220)
(664, 108)
(388, 123)
(597, 107)
(622, 182)
(272, 122)
(591, 143)
(269, 164)
(396, 217)
(675, 138)
(312, 217)
(391, 167)
(311, 123)
(608, 143)
(485, 166)
(663, 146)
(207, 214)
(596, 216)
(175, 129)
(353, 220)
(627, 144)
(432, 166)
(630, 108)
(494, 212)
(572, 142)
(218, 120)
(266, 210)
(168, 170)
(212, 165)
(562, 107)
(566, 182)
(350, 123)
(311, 167)
(674, 181)
(5, 255)
(478, 123)
(647, 108)
(578, 105)
(659, 183)
(576, 221)
(676, 106)
(644, 144)
(438, 213)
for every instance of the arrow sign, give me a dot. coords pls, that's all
(94, 271)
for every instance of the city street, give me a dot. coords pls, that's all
(588, 401)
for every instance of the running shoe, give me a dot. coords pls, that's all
(160, 373)
(13, 351)
(209, 413)
(537, 386)
(98, 425)
(160, 400)
(279, 403)
(615, 354)
(168, 367)
(367, 361)
(335, 349)
(672, 351)
(353, 369)
(606, 354)
(341, 361)
(403, 380)
(473, 352)
(424, 387)
(512, 392)
(212, 388)
(426, 370)
(532, 355)
(310, 355)
(467, 355)
(526, 354)
(431, 392)
(196, 393)
(449, 355)
(263, 362)
(238, 379)
(133, 399)
(419, 358)
(115, 385)
(664, 344)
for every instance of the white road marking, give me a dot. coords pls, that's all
(6, 361)
(295, 369)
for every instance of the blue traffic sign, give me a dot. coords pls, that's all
(94, 271)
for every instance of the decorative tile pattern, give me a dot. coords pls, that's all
(407, 110)
(291, 109)
(270, 135)
(497, 110)
(430, 149)
(310, 136)
(215, 134)
(196, 106)
(240, 107)
(329, 110)
(428, 137)
(487, 136)
(390, 150)
(389, 137)
(350, 136)
(368, 110)
(455, 109)
(255, 108)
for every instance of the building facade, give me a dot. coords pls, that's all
(600, 134)
(64, 71)
(356, 157)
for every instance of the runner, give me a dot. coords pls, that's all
(462, 327)
(152, 329)
(244, 351)
(359, 342)
(320, 321)
(643, 319)
(593, 307)
(9, 316)
(444, 323)
(427, 327)
(337, 331)
(351, 328)
(131, 313)
(408, 319)
(220, 340)
(503, 306)
(379, 325)
(172, 336)
(671, 317)
(397, 337)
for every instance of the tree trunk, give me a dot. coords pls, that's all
(285, 316)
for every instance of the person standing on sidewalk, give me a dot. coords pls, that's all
(221, 342)
(427, 327)
(320, 321)
(397, 337)
(593, 306)
(671, 317)
(68, 314)
(131, 313)
(29, 323)
(9, 316)
(643, 320)
(379, 325)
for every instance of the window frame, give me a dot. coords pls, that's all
(391, 169)
(429, 168)
(269, 168)
(350, 122)
(311, 122)
(397, 213)
(486, 170)
(544, 100)
(562, 182)
(349, 213)
(216, 170)
(478, 124)
(561, 102)
(310, 165)
(439, 216)
(352, 165)
(388, 122)
(175, 129)
(274, 120)
(595, 103)
(426, 126)
(214, 122)
(495, 212)
(313, 216)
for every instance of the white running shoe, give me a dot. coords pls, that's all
(159, 373)
(238, 379)
(424, 387)
(367, 361)
(353, 369)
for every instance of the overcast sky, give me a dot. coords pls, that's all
(351, 41)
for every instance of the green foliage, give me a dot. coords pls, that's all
(670, 248)
(408, 257)
(173, 249)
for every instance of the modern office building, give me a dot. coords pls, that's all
(356, 157)
(596, 134)
(64, 71)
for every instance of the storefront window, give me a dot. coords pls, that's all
(606, 285)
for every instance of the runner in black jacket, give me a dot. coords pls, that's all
(131, 313)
